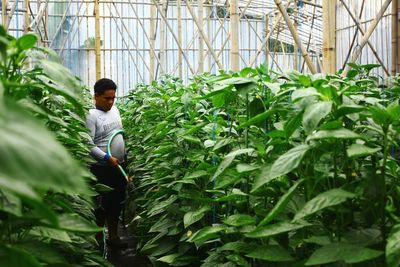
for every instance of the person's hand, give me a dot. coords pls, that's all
(112, 161)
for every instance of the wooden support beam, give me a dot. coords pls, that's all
(398, 37)
(97, 39)
(295, 47)
(357, 22)
(329, 36)
(11, 14)
(152, 41)
(162, 6)
(266, 41)
(26, 16)
(180, 62)
(366, 36)
(295, 36)
(395, 29)
(234, 21)
(4, 14)
(200, 8)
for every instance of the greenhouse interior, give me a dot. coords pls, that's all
(201, 133)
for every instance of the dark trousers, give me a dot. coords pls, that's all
(111, 203)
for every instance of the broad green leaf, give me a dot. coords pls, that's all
(240, 220)
(240, 152)
(218, 100)
(348, 109)
(305, 80)
(292, 125)
(381, 116)
(326, 199)
(281, 205)
(225, 163)
(27, 41)
(196, 174)
(192, 139)
(209, 143)
(48, 165)
(274, 87)
(283, 165)
(237, 246)
(238, 260)
(271, 253)
(319, 240)
(236, 193)
(342, 133)
(218, 90)
(51, 233)
(10, 203)
(242, 167)
(169, 258)
(159, 207)
(358, 150)
(193, 216)
(314, 114)
(348, 253)
(42, 251)
(221, 143)
(205, 234)
(75, 223)
(228, 160)
(393, 247)
(305, 92)
(275, 229)
(15, 257)
(258, 118)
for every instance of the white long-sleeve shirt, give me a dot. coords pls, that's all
(102, 124)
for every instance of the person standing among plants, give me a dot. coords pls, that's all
(102, 121)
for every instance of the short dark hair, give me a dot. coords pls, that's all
(104, 84)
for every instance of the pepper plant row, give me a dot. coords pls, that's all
(266, 169)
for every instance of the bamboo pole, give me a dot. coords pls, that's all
(267, 39)
(366, 36)
(152, 40)
(162, 35)
(11, 14)
(357, 22)
(97, 39)
(398, 38)
(208, 20)
(203, 35)
(329, 36)
(180, 65)
(295, 47)
(234, 21)
(200, 38)
(395, 29)
(4, 14)
(174, 36)
(296, 36)
(26, 16)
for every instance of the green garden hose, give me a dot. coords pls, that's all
(109, 152)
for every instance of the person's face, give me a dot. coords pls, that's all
(105, 101)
